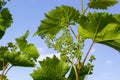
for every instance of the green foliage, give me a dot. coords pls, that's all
(84, 71)
(51, 69)
(5, 18)
(29, 49)
(69, 50)
(19, 54)
(24, 55)
(2, 3)
(5, 21)
(101, 4)
(65, 45)
(57, 19)
(3, 50)
(18, 59)
(101, 28)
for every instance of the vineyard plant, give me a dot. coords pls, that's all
(65, 30)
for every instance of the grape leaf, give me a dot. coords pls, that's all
(22, 54)
(3, 3)
(101, 4)
(56, 19)
(3, 50)
(29, 49)
(51, 69)
(101, 28)
(5, 21)
(19, 59)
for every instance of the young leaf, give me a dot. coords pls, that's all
(51, 69)
(101, 28)
(29, 49)
(101, 4)
(56, 19)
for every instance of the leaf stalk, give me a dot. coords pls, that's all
(73, 32)
(87, 53)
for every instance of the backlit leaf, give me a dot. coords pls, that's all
(28, 49)
(51, 69)
(19, 59)
(101, 28)
(58, 18)
(22, 53)
(101, 4)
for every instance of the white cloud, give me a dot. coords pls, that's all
(108, 61)
(43, 56)
(40, 50)
(102, 76)
(93, 50)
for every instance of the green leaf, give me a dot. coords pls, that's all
(56, 19)
(19, 59)
(21, 54)
(3, 3)
(28, 49)
(6, 17)
(101, 28)
(5, 21)
(101, 4)
(3, 50)
(51, 69)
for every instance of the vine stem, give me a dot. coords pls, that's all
(73, 32)
(88, 74)
(4, 68)
(87, 53)
(8, 69)
(82, 6)
(76, 73)
(1, 77)
(75, 69)
(84, 11)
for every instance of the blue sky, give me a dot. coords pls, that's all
(27, 15)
